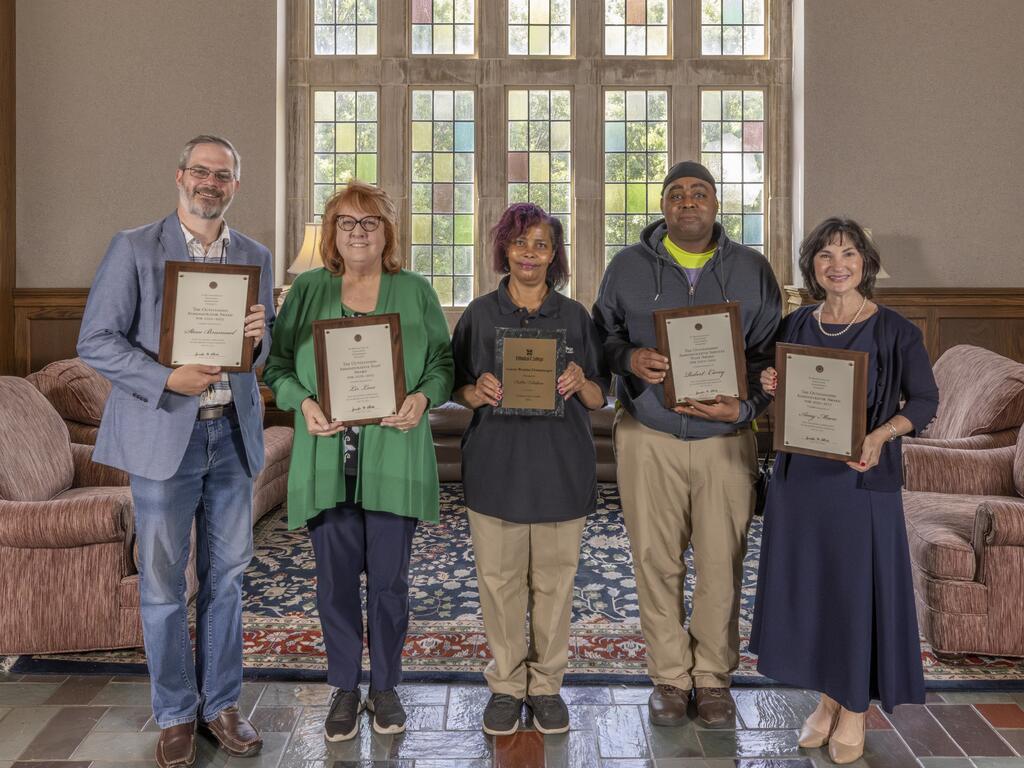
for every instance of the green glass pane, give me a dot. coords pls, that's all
(421, 199)
(444, 166)
(518, 193)
(615, 230)
(657, 105)
(540, 135)
(615, 105)
(422, 105)
(518, 136)
(733, 226)
(346, 11)
(518, 11)
(442, 263)
(711, 137)
(539, 167)
(464, 229)
(657, 137)
(732, 105)
(636, 198)
(464, 11)
(614, 166)
(609, 254)
(636, 167)
(540, 195)
(615, 198)
(560, 166)
(560, 202)
(443, 286)
(463, 196)
(635, 224)
(345, 137)
(711, 11)
(344, 168)
(614, 11)
(464, 167)
(444, 11)
(323, 12)
(422, 166)
(732, 198)
(421, 259)
(636, 137)
(323, 106)
(366, 168)
(421, 229)
(464, 257)
(421, 137)
(657, 11)
(560, 12)
(323, 137)
(540, 105)
(561, 105)
(753, 105)
(657, 166)
(444, 230)
(366, 137)
(654, 197)
(345, 106)
(366, 106)
(444, 137)
(323, 168)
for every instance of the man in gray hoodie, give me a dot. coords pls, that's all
(686, 474)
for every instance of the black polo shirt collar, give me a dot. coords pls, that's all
(550, 307)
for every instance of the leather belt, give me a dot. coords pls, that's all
(214, 412)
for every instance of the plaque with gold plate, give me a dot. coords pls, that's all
(528, 362)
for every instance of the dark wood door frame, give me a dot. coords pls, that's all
(8, 207)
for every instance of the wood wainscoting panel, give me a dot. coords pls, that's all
(992, 318)
(46, 323)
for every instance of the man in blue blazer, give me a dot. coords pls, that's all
(191, 440)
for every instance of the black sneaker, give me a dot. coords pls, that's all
(549, 713)
(388, 715)
(501, 716)
(342, 721)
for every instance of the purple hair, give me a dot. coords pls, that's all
(518, 218)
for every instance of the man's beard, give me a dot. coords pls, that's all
(207, 207)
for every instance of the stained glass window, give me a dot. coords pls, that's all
(636, 27)
(539, 27)
(345, 27)
(442, 194)
(443, 27)
(732, 27)
(344, 142)
(732, 146)
(540, 152)
(635, 162)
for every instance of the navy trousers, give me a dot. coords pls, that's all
(348, 540)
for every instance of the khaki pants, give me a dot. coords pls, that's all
(678, 493)
(521, 567)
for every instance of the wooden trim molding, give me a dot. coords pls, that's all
(8, 208)
(986, 317)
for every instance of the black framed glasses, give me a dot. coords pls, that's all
(202, 173)
(347, 223)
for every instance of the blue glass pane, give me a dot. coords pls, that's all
(464, 137)
(615, 137)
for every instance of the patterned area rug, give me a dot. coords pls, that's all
(446, 639)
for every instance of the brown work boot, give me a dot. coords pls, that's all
(667, 705)
(234, 733)
(714, 705)
(176, 747)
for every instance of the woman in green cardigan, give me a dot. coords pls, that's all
(362, 490)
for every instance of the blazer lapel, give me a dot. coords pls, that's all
(172, 240)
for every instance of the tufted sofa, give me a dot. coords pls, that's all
(964, 503)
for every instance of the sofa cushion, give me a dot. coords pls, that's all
(35, 451)
(979, 392)
(76, 390)
(1018, 465)
(940, 532)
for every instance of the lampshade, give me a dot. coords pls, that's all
(882, 274)
(309, 254)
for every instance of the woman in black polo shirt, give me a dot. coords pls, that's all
(530, 481)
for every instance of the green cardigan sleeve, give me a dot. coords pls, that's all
(279, 373)
(439, 370)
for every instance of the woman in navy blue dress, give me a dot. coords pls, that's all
(835, 602)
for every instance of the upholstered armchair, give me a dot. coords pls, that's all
(981, 400)
(67, 575)
(965, 525)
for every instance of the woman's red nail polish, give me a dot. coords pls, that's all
(863, 463)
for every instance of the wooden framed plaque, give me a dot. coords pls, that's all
(528, 362)
(360, 371)
(204, 309)
(821, 401)
(704, 346)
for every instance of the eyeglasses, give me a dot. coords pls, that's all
(347, 223)
(201, 173)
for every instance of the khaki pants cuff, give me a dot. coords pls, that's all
(682, 683)
(712, 681)
(508, 690)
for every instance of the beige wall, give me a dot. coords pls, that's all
(914, 125)
(107, 93)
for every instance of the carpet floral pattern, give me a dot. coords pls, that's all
(282, 630)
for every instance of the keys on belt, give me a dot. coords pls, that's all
(214, 412)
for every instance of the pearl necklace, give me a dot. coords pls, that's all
(849, 325)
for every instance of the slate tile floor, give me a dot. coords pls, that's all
(104, 722)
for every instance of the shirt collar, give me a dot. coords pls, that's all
(550, 307)
(224, 236)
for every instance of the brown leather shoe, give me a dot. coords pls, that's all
(715, 705)
(176, 747)
(234, 733)
(667, 705)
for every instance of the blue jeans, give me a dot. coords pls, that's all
(213, 488)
